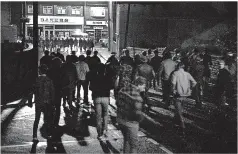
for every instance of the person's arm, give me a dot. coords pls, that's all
(192, 80)
(173, 81)
(161, 69)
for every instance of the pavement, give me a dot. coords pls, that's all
(158, 132)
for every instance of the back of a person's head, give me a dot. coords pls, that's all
(81, 58)
(73, 52)
(95, 52)
(156, 52)
(127, 52)
(144, 53)
(43, 69)
(180, 65)
(58, 49)
(88, 52)
(47, 52)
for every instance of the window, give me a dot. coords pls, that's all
(78, 10)
(47, 10)
(61, 10)
(30, 8)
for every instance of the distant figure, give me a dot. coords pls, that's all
(207, 60)
(44, 97)
(149, 56)
(127, 59)
(155, 63)
(223, 87)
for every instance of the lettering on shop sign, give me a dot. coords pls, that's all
(54, 20)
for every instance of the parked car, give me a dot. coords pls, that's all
(103, 42)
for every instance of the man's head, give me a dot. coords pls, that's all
(88, 52)
(144, 53)
(180, 65)
(81, 58)
(95, 53)
(58, 50)
(127, 53)
(140, 82)
(156, 52)
(46, 52)
(113, 53)
(221, 64)
(73, 52)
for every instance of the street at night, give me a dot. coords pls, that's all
(118, 77)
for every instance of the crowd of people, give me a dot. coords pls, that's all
(181, 76)
(66, 43)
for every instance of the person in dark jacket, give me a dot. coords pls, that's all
(155, 63)
(80, 44)
(71, 43)
(101, 96)
(54, 74)
(95, 60)
(68, 80)
(223, 87)
(59, 55)
(76, 44)
(46, 59)
(74, 57)
(127, 59)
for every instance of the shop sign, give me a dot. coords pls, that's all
(87, 26)
(97, 11)
(58, 20)
(96, 22)
(98, 27)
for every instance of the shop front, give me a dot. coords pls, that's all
(96, 30)
(55, 26)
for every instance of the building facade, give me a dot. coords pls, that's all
(65, 19)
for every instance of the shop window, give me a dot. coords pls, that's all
(47, 9)
(77, 10)
(30, 8)
(61, 10)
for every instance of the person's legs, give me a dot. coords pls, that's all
(126, 145)
(98, 115)
(133, 139)
(36, 122)
(57, 109)
(105, 103)
(166, 90)
(78, 90)
(85, 89)
(179, 110)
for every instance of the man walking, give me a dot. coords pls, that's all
(82, 70)
(182, 83)
(129, 113)
(155, 63)
(166, 68)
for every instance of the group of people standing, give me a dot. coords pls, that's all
(130, 78)
(72, 43)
